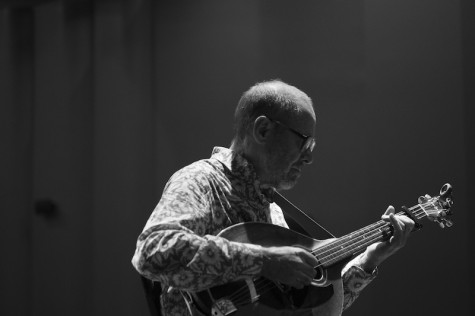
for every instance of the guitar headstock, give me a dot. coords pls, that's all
(437, 208)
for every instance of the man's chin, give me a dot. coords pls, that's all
(287, 184)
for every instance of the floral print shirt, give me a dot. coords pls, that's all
(179, 247)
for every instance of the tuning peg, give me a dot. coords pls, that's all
(448, 203)
(448, 222)
(423, 198)
(443, 222)
(446, 190)
(440, 222)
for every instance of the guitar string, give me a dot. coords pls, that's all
(368, 238)
(367, 235)
(348, 239)
(365, 230)
(359, 231)
(262, 283)
(376, 235)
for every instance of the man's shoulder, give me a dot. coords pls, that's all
(199, 170)
(203, 166)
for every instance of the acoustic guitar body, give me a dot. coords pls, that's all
(263, 297)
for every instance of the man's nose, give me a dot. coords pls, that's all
(307, 156)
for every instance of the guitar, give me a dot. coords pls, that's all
(260, 296)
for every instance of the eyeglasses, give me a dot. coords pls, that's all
(308, 141)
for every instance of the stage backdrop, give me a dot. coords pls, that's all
(101, 101)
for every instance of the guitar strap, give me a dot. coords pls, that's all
(299, 221)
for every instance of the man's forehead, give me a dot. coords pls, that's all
(305, 110)
(303, 121)
(307, 107)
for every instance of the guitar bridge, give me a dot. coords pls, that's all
(223, 307)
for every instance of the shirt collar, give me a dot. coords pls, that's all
(244, 169)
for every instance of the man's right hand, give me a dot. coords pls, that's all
(289, 265)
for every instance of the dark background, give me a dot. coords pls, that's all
(101, 101)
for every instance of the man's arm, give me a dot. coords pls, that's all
(175, 247)
(184, 260)
(175, 250)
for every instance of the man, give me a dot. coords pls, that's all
(274, 139)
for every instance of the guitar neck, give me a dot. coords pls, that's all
(356, 242)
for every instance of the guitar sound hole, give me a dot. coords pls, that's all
(319, 275)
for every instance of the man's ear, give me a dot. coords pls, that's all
(261, 130)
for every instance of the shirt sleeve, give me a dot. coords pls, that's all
(176, 247)
(355, 279)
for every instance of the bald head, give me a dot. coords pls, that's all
(270, 98)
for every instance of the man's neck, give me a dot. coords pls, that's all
(253, 156)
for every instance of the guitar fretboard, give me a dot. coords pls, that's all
(356, 242)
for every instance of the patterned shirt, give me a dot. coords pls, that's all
(179, 247)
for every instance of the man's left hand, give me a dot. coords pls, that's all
(380, 251)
